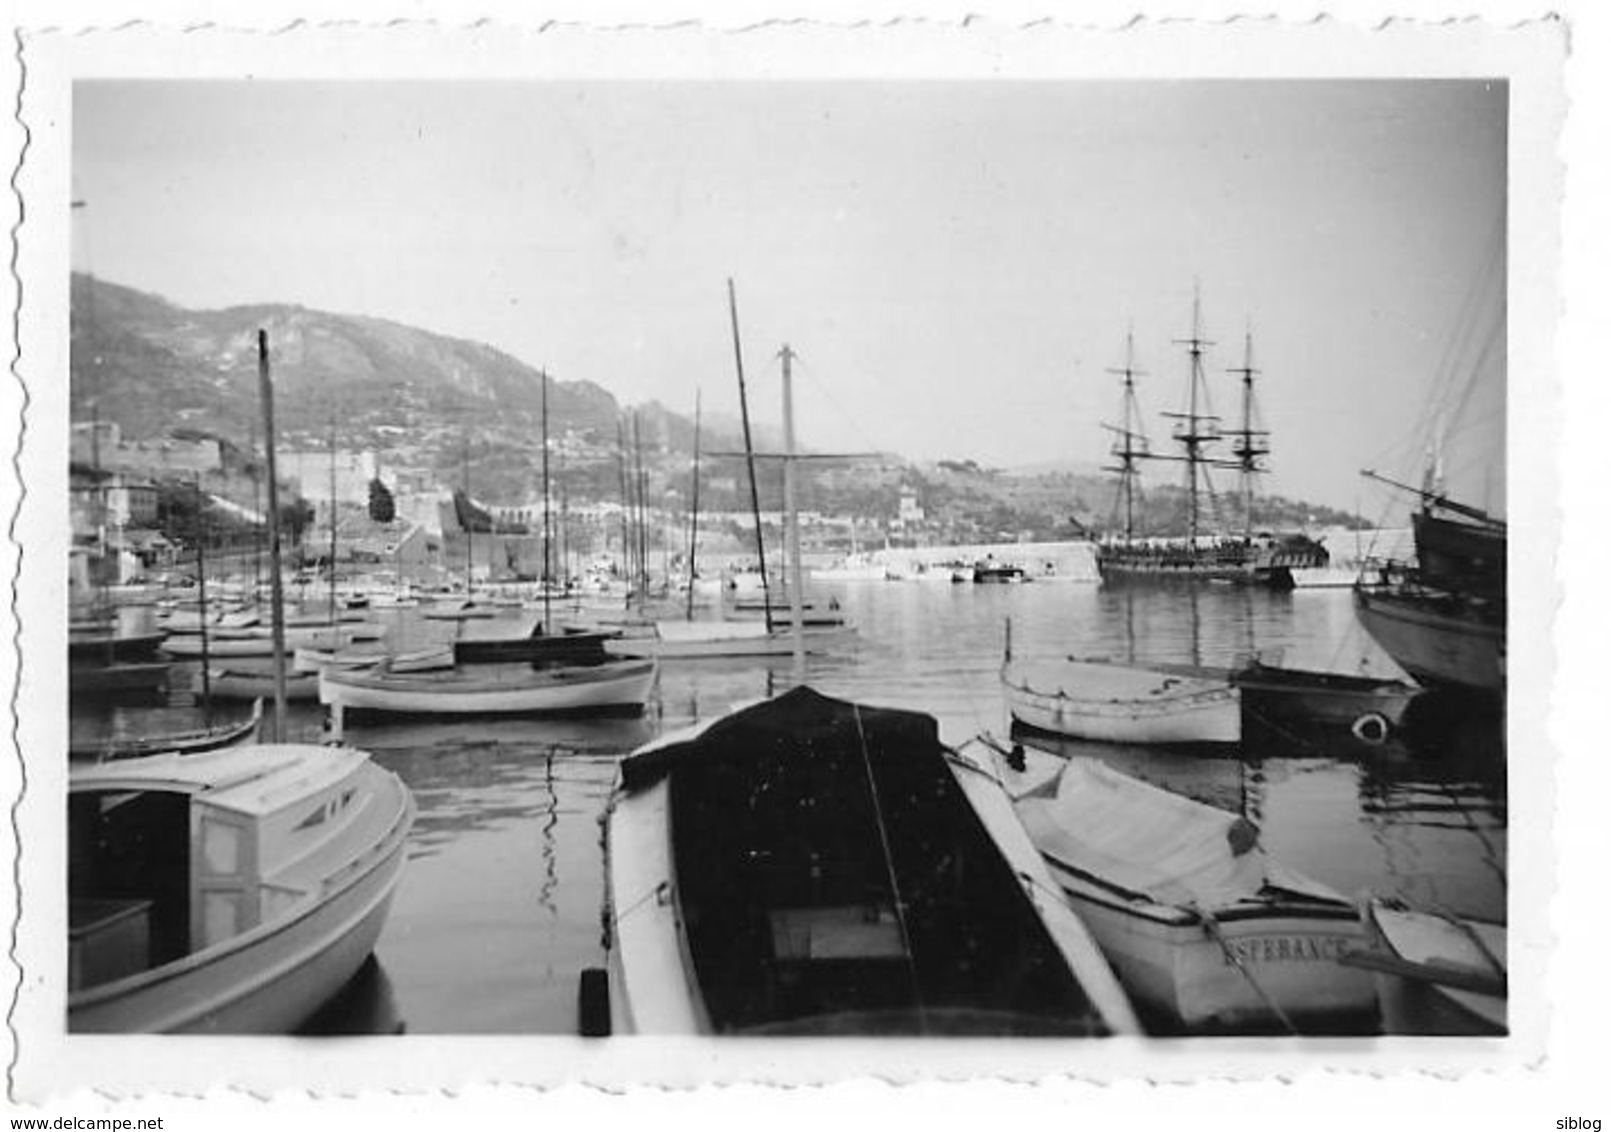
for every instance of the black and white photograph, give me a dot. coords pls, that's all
(949, 556)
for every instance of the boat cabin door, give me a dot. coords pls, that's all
(224, 897)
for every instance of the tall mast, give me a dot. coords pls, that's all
(265, 387)
(1191, 432)
(749, 456)
(564, 529)
(1125, 448)
(469, 523)
(201, 598)
(640, 486)
(1250, 442)
(693, 520)
(257, 506)
(791, 519)
(627, 569)
(548, 582)
(332, 514)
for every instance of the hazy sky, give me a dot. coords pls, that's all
(955, 263)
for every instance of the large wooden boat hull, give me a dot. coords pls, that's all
(1116, 704)
(1433, 639)
(273, 977)
(1234, 563)
(616, 686)
(685, 813)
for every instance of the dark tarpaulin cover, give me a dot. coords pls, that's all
(799, 714)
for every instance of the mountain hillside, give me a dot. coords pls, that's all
(151, 365)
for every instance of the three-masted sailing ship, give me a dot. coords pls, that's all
(1207, 550)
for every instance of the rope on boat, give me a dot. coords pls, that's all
(889, 869)
(661, 892)
(1217, 934)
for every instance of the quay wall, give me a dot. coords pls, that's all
(1069, 561)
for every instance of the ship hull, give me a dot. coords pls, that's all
(1433, 641)
(1234, 564)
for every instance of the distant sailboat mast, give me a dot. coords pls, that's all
(693, 521)
(749, 456)
(332, 514)
(265, 386)
(548, 578)
(791, 518)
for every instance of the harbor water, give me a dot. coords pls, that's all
(499, 909)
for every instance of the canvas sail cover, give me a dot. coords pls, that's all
(1144, 840)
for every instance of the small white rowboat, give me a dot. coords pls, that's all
(486, 690)
(1116, 703)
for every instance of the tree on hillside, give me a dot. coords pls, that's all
(382, 506)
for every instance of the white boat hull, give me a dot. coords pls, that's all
(272, 978)
(1153, 710)
(549, 691)
(1176, 967)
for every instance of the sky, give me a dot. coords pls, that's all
(956, 264)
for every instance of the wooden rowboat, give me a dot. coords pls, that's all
(1120, 703)
(1204, 929)
(188, 742)
(812, 866)
(1435, 974)
(618, 686)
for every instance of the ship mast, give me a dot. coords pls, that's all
(1195, 429)
(1251, 443)
(548, 582)
(1129, 444)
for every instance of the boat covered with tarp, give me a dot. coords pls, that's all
(808, 865)
(1206, 930)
